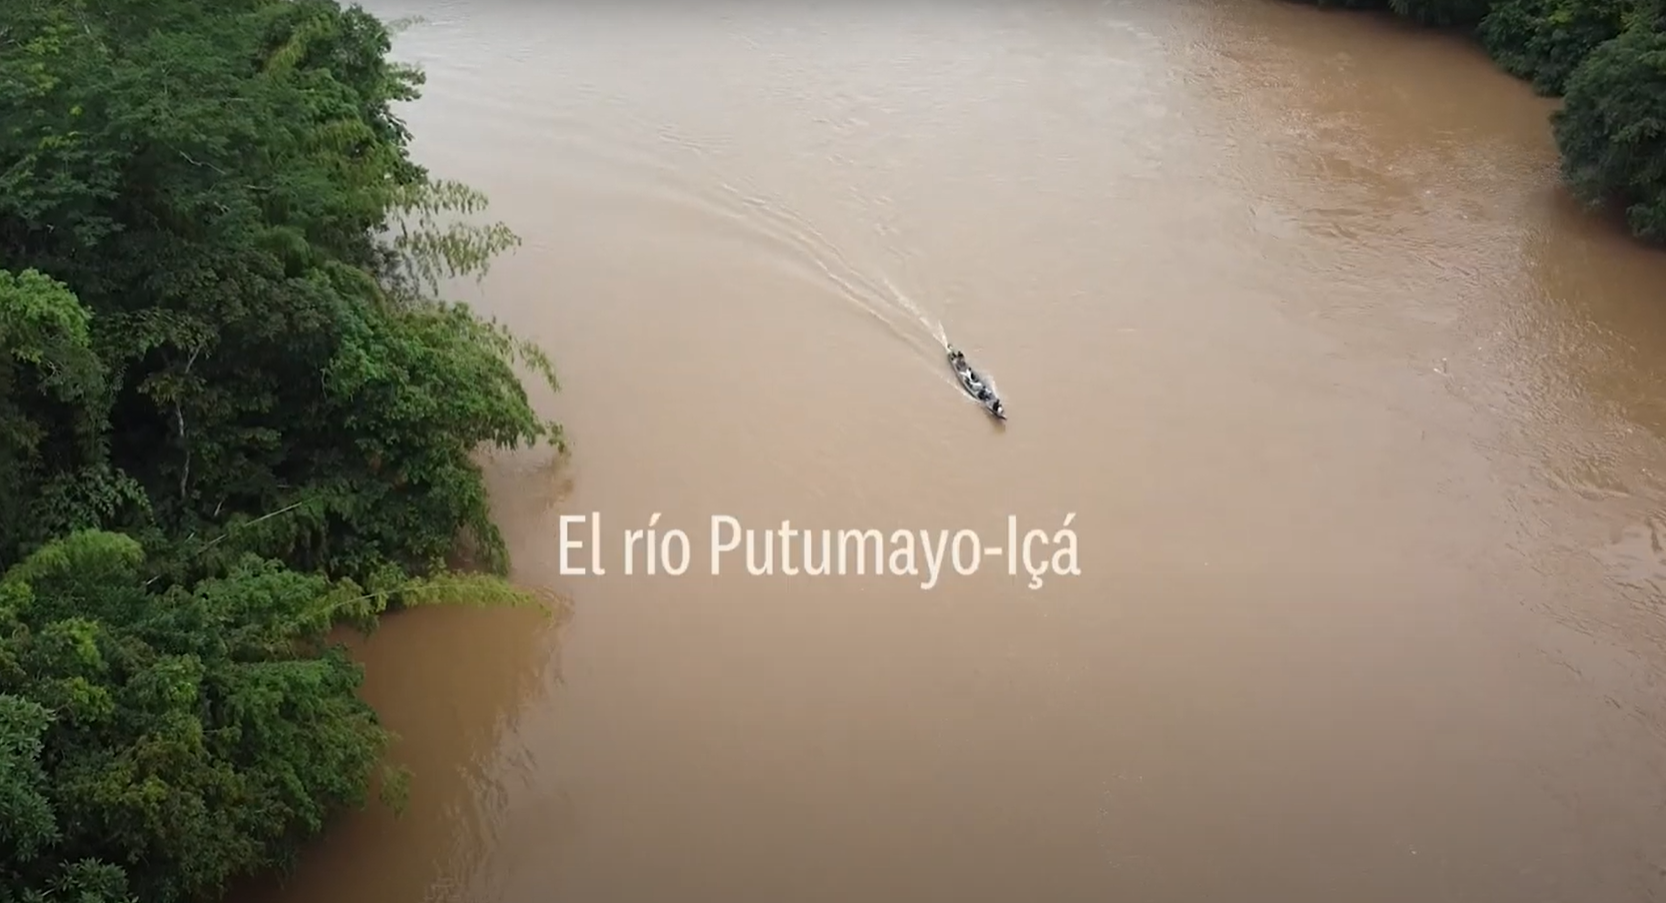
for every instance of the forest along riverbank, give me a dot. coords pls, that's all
(1358, 414)
(1603, 58)
(235, 413)
(1348, 417)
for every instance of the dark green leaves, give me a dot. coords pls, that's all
(1608, 60)
(234, 412)
(198, 732)
(1612, 128)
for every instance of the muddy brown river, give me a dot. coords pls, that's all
(1357, 420)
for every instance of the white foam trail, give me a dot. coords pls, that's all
(793, 236)
(884, 302)
(935, 329)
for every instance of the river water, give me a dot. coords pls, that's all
(1359, 418)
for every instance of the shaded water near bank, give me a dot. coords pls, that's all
(1360, 419)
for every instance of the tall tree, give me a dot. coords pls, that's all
(226, 189)
(234, 411)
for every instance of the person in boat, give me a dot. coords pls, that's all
(973, 382)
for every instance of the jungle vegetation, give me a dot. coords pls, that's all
(1606, 59)
(235, 412)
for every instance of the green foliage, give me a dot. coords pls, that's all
(1608, 59)
(234, 411)
(1612, 128)
(228, 194)
(53, 405)
(1544, 41)
(172, 741)
(198, 734)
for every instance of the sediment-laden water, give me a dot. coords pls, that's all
(1359, 419)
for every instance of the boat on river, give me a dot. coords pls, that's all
(976, 385)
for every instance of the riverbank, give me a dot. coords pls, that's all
(1360, 424)
(236, 412)
(1342, 387)
(1606, 59)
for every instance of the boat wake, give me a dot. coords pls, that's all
(680, 176)
(875, 295)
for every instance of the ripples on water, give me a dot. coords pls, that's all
(648, 157)
(1367, 425)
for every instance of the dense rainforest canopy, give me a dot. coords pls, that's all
(234, 410)
(233, 413)
(1607, 60)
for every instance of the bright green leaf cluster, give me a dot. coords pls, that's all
(226, 197)
(234, 413)
(180, 738)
